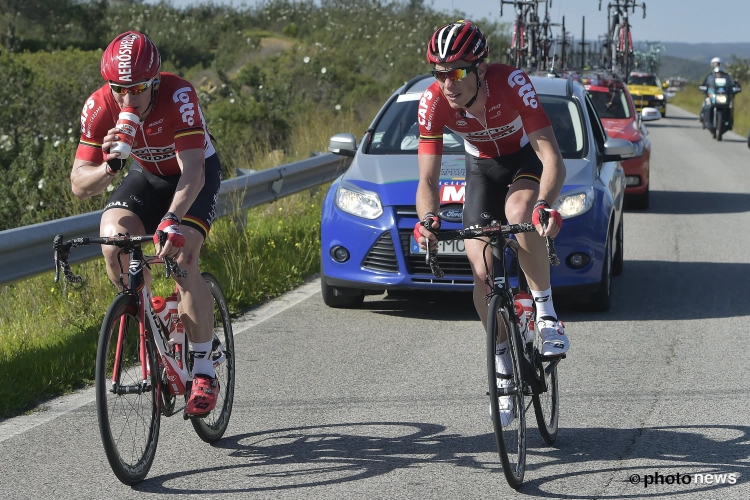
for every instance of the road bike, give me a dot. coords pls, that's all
(620, 35)
(533, 375)
(143, 366)
(525, 38)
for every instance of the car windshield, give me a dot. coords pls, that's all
(567, 124)
(397, 132)
(610, 104)
(644, 80)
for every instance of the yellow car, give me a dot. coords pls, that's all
(647, 90)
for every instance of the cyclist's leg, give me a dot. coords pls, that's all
(486, 186)
(127, 211)
(195, 297)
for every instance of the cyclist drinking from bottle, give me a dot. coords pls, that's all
(514, 169)
(171, 187)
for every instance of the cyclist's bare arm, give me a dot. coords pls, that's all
(427, 190)
(553, 176)
(192, 163)
(89, 178)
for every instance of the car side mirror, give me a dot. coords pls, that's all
(343, 144)
(618, 149)
(650, 114)
(664, 85)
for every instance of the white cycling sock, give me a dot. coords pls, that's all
(202, 362)
(502, 359)
(543, 303)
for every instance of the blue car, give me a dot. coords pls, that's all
(369, 212)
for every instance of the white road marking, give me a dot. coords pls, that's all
(49, 410)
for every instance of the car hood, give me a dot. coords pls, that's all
(644, 89)
(622, 129)
(395, 177)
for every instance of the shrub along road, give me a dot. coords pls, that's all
(389, 401)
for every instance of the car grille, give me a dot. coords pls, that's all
(454, 265)
(643, 101)
(382, 255)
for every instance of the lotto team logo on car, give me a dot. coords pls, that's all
(452, 193)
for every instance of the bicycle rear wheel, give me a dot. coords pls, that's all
(547, 404)
(128, 407)
(212, 427)
(511, 437)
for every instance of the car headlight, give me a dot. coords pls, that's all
(359, 202)
(659, 97)
(638, 145)
(575, 204)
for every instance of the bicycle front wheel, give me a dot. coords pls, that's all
(212, 427)
(508, 412)
(127, 406)
(547, 404)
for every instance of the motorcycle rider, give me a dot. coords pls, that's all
(716, 72)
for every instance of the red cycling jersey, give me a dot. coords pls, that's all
(512, 111)
(174, 124)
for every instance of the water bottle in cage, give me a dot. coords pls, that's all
(526, 304)
(162, 312)
(177, 334)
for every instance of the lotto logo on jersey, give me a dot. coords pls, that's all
(452, 193)
(187, 110)
(526, 92)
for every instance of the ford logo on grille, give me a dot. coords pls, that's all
(452, 214)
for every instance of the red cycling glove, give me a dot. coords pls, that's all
(428, 216)
(542, 213)
(170, 226)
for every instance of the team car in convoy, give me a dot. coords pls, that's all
(647, 91)
(369, 212)
(618, 114)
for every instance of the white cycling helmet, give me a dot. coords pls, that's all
(716, 60)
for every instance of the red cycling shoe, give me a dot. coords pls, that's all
(202, 396)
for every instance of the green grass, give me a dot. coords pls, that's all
(49, 332)
(691, 99)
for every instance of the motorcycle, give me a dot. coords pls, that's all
(718, 110)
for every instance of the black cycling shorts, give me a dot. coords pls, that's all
(488, 181)
(149, 196)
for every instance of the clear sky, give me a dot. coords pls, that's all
(690, 21)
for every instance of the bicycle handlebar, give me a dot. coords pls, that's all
(122, 241)
(471, 233)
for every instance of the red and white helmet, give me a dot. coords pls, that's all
(454, 41)
(130, 58)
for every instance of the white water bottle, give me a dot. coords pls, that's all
(127, 125)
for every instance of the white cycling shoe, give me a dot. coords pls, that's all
(506, 404)
(552, 333)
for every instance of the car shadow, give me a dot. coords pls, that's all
(697, 202)
(690, 118)
(290, 459)
(424, 304)
(670, 125)
(653, 290)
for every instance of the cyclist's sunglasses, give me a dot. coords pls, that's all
(131, 89)
(456, 74)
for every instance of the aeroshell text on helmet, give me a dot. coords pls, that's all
(187, 109)
(526, 92)
(124, 57)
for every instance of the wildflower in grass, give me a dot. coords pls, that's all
(306, 60)
(40, 185)
(323, 70)
(338, 107)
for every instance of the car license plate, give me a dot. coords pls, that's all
(455, 247)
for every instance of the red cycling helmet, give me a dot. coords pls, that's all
(130, 58)
(459, 40)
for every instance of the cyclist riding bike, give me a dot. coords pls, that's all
(514, 169)
(171, 187)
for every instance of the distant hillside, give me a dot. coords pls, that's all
(704, 52)
(677, 66)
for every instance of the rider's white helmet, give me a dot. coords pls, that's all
(716, 60)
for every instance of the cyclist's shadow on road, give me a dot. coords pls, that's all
(310, 456)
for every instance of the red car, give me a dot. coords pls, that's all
(620, 119)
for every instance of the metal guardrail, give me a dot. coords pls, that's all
(26, 251)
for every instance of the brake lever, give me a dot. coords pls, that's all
(549, 242)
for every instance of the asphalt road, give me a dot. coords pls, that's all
(389, 401)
